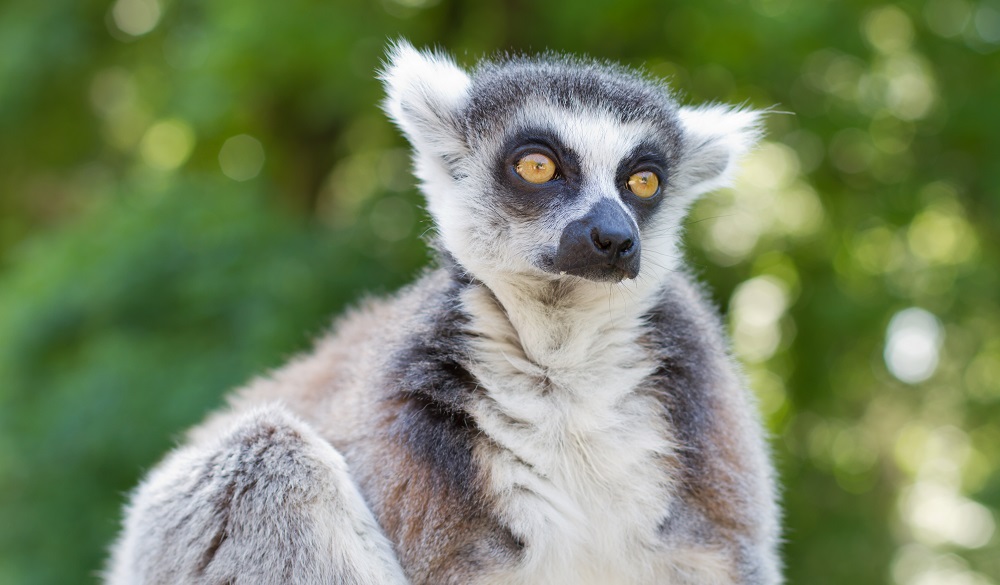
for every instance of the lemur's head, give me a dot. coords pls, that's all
(554, 168)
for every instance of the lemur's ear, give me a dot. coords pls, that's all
(424, 92)
(715, 137)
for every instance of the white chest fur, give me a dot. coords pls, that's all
(578, 461)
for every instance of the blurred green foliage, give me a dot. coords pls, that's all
(190, 190)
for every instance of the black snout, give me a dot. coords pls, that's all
(602, 245)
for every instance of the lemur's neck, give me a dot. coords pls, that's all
(561, 323)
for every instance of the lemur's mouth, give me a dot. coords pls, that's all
(603, 272)
(602, 246)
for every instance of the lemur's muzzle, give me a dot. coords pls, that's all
(602, 245)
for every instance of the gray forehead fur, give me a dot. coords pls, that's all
(501, 86)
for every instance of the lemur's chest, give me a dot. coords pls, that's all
(578, 459)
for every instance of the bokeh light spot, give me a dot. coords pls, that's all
(114, 96)
(757, 306)
(988, 23)
(888, 29)
(241, 157)
(912, 91)
(982, 376)
(835, 73)
(771, 166)
(915, 564)
(136, 17)
(167, 144)
(940, 235)
(912, 345)
(770, 390)
(799, 211)
(877, 250)
(938, 515)
(909, 449)
(947, 18)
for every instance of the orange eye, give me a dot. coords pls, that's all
(644, 184)
(536, 168)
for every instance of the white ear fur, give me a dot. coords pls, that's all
(425, 90)
(715, 138)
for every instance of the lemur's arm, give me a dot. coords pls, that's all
(265, 502)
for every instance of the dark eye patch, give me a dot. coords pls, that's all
(646, 156)
(544, 141)
(524, 200)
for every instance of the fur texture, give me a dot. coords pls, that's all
(498, 421)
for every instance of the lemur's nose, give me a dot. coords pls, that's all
(602, 245)
(612, 242)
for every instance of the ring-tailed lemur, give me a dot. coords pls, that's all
(554, 404)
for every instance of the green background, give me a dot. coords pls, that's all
(190, 190)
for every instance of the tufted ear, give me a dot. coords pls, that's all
(424, 92)
(715, 138)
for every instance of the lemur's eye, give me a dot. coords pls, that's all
(644, 184)
(536, 168)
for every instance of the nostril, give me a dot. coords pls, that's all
(625, 247)
(599, 242)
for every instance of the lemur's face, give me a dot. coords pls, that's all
(556, 192)
(554, 169)
(567, 192)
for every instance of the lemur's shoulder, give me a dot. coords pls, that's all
(725, 477)
(686, 314)
(335, 381)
